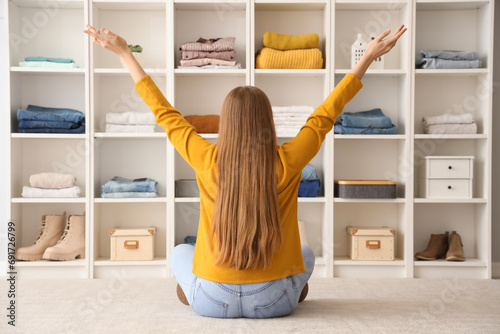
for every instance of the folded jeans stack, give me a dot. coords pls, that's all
(289, 119)
(445, 59)
(309, 182)
(368, 122)
(45, 62)
(36, 119)
(51, 185)
(119, 187)
(216, 53)
(289, 52)
(450, 123)
(130, 122)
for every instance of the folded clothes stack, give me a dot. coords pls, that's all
(450, 123)
(130, 121)
(48, 62)
(289, 119)
(309, 182)
(289, 52)
(204, 123)
(215, 53)
(50, 185)
(444, 59)
(370, 122)
(119, 187)
(36, 119)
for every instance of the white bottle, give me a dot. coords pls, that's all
(357, 50)
(378, 63)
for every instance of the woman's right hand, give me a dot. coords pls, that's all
(111, 41)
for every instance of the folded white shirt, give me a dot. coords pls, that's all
(130, 118)
(293, 109)
(52, 180)
(118, 128)
(32, 192)
(449, 118)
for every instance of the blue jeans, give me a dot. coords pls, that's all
(256, 300)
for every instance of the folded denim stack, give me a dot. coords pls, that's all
(370, 122)
(51, 185)
(119, 187)
(309, 182)
(289, 52)
(450, 123)
(36, 119)
(215, 53)
(130, 122)
(46, 62)
(290, 119)
(445, 59)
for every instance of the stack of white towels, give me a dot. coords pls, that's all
(290, 119)
(130, 122)
(450, 123)
(51, 185)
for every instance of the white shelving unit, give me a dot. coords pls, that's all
(101, 85)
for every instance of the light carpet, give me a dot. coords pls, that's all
(332, 306)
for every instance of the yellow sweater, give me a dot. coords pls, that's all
(290, 42)
(291, 59)
(292, 158)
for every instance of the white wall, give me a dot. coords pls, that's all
(496, 141)
(3, 122)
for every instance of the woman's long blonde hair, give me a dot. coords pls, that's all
(246, 225)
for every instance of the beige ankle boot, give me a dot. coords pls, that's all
(72, 243)
(51, 231)
(456, 249)
(436, 249)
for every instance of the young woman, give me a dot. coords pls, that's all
(248, 260)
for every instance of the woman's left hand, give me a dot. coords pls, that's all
(111, 41)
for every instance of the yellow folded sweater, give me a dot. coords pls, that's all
(289, 42)
(292, 59)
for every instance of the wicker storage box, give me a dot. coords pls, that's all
(370, 243)
(133, 244)
(186, 188)
(365, 189)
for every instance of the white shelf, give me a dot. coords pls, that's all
(46, 263)
(369, 137)
(452, 200)
(131, 200)
(105, 261)
(48, 200)
(451, 72)
(210, 5)
(345, 261)
(290, 5)
(451, 136)
(311, 200)
(44, 70)
(66, 4)
(160, 135)
(187, 200)
(150, 71)
(450, 4)
(127, 5)
(369, 72)
(369, 4)
(444, 263)
(58, 136)
(369, 200)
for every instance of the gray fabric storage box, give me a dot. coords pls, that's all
(186, 188)
(365, 189)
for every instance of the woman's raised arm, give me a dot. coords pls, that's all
(117, 45)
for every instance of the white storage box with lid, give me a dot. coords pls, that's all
(370, 243)
(133, 243)
(447, 177)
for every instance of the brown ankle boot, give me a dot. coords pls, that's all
(437, 248)
(72, 243)
(50, 232)
(181, 295)
(304, 292)
(456, 249)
